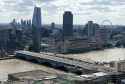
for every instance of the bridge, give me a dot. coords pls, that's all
(69, 64)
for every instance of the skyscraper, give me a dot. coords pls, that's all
(67, 24)
(36, 27)
(52, 25)
(91, 28)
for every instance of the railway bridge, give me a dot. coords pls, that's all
(63, 63)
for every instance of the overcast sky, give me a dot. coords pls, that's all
(52, 10)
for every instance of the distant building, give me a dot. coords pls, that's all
(102, 36)
(91, 28)
(36, 27)
(25, 24)
(67, 24)
(94, 37)
(5, 30)
(97, 34)
(53, 25)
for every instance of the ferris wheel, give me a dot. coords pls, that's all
(107, 22)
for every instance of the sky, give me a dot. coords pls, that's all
(52, 10)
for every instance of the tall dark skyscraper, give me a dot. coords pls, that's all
(67, 24)
(36, 27)
(52, 25)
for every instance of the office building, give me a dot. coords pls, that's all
(52, 25)
(36, 27)
(67, 24)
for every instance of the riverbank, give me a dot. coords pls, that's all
(6, 58)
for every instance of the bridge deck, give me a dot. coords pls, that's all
(75, 63)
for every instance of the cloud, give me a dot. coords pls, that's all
(105, 2)
(17, 5)
(43, 0)
(52, 10)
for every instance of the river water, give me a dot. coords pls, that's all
(106, 55)
(14, 66)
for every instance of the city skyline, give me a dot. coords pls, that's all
(62, 42)
(52, 10)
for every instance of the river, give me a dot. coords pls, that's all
(14, 66)
(106, 55)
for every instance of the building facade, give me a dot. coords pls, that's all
(67, 24)
(36, 28)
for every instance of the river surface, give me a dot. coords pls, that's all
(14, 66)
(107, 55)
